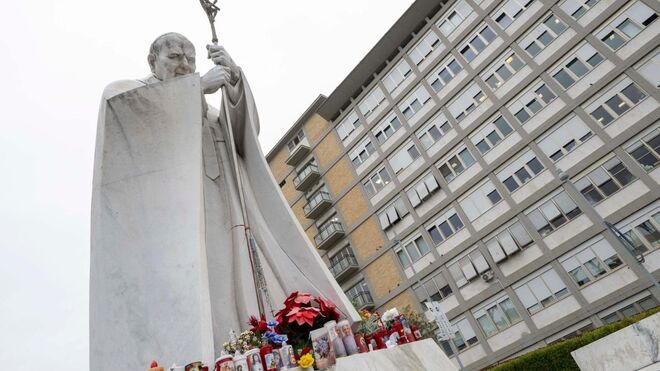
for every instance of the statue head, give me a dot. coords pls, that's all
(171, 55)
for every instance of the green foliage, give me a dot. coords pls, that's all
(558, 356)
(418, 320)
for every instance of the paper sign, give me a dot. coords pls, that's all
(446, 330)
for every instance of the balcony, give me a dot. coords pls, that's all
(308, 176)
(329, 234)
(298, 153)
(363, 300)
(316, 205)
(344, 267)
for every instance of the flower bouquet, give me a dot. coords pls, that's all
(303, 313)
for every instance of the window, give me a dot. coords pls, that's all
(392, 214)
(425, 47)
(541, 291)
(397, 76)
(436, 288)
(577, 65)
(377, 181)
(577, 8)
(456, 164)
(293, 143)
(531, 102)
(445, 226)
(386, 128)
(444, 73)
(503, 70)
(468, 267)
(497, 316)
(477, 43)
(452, 19)
(627, 25)
(592, 260)
(422, 190)
(646, 150)
(480, 200)
(510, 11)
(412, 251)
(615, 102)
(491, 134)
(435, 129)
(554, 213)
(413, 103)
(463, 338)
(508, 242)
(348, 125)
(520, 171)
(467, 101)
(362, 152)
(360, 294)
(604, 181)
(650, 70)
(637, 307)
(542, 35)
(404, 157)
(564, 138)
(372, 101)
(645, 236)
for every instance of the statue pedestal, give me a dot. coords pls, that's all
(417, 356)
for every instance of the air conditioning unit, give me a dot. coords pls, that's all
(487, 276)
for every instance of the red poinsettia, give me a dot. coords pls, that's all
(328, 309)
(258, 326)
(303, 315)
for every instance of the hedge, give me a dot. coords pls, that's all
(558, 356)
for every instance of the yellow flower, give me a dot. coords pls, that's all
(306, 361)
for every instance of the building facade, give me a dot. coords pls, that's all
(473, 158)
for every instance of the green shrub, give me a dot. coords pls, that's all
(558, 356)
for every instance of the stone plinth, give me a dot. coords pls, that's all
(417, 356)
(632, 348)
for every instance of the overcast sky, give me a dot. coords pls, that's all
(56, 58)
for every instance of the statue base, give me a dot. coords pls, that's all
(420, 355)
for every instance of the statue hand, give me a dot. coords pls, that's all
(217, 77)
(220, 57)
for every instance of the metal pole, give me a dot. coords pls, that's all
(428, 297)
(623, 240)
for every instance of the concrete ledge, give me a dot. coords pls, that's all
(417, 356)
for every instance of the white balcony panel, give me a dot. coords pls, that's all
(474, 116)
(486, 53)
(652, 261)
(474, 288)
(383, 193)
(513, 81)
(630, 118)
(402, 132)
(419, 265)
(441, 143)
(456, 81)
(622, 198)
(365, 165)
(567, 231)
(607, 285)
(431, 203)
(449, 303)
(655, 175)
(520, 260)
(467, 23)
(594, 12)
(453, 241)
(531, 187)
(555, 46)
(408, 171)
(421, 113)
(399, 227)
(470, 356)
(556, 311)
(464, 177)
(401, 88)
(526, 15)
(543, 116)
(508, 336)
(502, 147)
(491, 215)
(580, 153)
(589, 79)
(357, 133)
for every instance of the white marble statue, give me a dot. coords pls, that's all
(170, 270)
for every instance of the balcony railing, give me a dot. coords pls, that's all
(363, 300)
(306, 177)
(297, 154)
(329, 234)
(316, 205)
(344, 267)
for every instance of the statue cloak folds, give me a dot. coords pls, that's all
(170, 270)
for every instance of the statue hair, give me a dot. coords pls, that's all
(157, 45)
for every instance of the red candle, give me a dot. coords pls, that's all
(267, 358)
(361, 343)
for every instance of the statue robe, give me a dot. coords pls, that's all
(170, 270)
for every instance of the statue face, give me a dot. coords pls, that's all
(175, 58)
